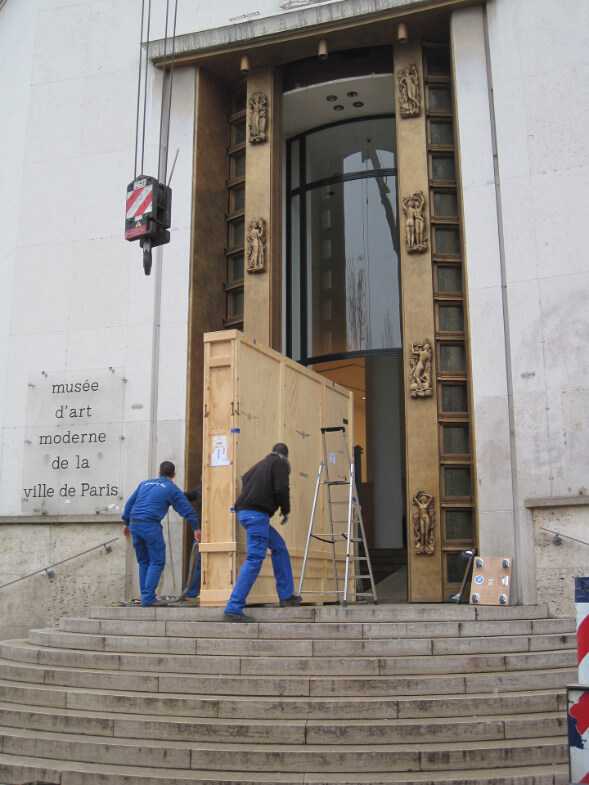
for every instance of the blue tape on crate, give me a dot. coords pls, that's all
(236, 430)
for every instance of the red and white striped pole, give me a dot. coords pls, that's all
(582, 610)
(578, 696)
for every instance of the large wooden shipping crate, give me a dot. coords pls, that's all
(253, 398)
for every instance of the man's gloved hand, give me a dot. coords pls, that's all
(126, 531)
(197, 535)
(284, 520)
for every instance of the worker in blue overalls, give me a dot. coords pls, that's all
(265, 489)
(192, 592)
(142, 515)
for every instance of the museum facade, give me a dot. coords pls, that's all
(388, 193)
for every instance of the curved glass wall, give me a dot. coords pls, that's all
(343, 241)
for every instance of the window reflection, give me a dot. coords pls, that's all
(346, 272)
(349, 148)
(353, 281)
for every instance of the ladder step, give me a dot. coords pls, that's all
(330, 540)
(336, 482)
(364, 594)
(361, 577)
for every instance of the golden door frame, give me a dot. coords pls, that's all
(439, 445)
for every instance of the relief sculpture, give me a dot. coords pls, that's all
(256, 245)
(258, 118)
(415, 223)
(409, 92)
(424, 520)
(420, 365)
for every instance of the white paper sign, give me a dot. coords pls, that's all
(220, 451)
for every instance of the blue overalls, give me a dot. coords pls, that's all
(143, 513)
(260, 537)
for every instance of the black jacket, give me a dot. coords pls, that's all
(265, 486)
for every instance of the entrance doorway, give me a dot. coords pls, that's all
(376, 383)
(343, 289)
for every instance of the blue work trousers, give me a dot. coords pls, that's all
(260, 537)
(150, 549)
(193, 589)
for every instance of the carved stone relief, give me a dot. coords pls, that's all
(424, 522)
(258, 118)
(420, 365)
(416, 231)
(409, 91)
(256, 245)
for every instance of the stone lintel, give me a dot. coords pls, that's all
(297, 19)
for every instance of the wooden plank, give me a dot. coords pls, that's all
(256, 400)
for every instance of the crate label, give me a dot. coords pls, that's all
(220, 451)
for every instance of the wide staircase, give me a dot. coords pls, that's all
(409, 694)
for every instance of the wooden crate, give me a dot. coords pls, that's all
(253, 398)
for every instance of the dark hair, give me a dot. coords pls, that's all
(167, 469)
(280, 449)
(194, 495)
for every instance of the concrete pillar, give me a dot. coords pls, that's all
(489, 335)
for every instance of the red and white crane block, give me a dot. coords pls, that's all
(578, 695)
(139, 205)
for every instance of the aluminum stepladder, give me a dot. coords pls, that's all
(354, 535)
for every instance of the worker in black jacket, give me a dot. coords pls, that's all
(265, 489)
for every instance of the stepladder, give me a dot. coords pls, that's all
(341, 526)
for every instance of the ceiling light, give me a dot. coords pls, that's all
(338, 108)
(358, 104)
(322, 51)
(244, 64)
(402, 33)
(331, 98)
(352, 94)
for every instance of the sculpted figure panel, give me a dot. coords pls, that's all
(416, 240)
(256, 245)
(424, 520)
(409, 91)
(420, 365)
(258, 118)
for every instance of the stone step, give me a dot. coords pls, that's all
(292, 758)
(270, 731)
(284, 708)
(283, 665)
(332, 613)
(13, 668)
(267, 647)
(17, 769)
(306, 629)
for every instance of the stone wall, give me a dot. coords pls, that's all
(522, 112)
(97, 578)
(557, 565)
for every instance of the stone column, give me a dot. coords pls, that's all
(263, 262)
(421, 416)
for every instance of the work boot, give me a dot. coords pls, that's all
(292, 602)
(237, 617)
(190, 601)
